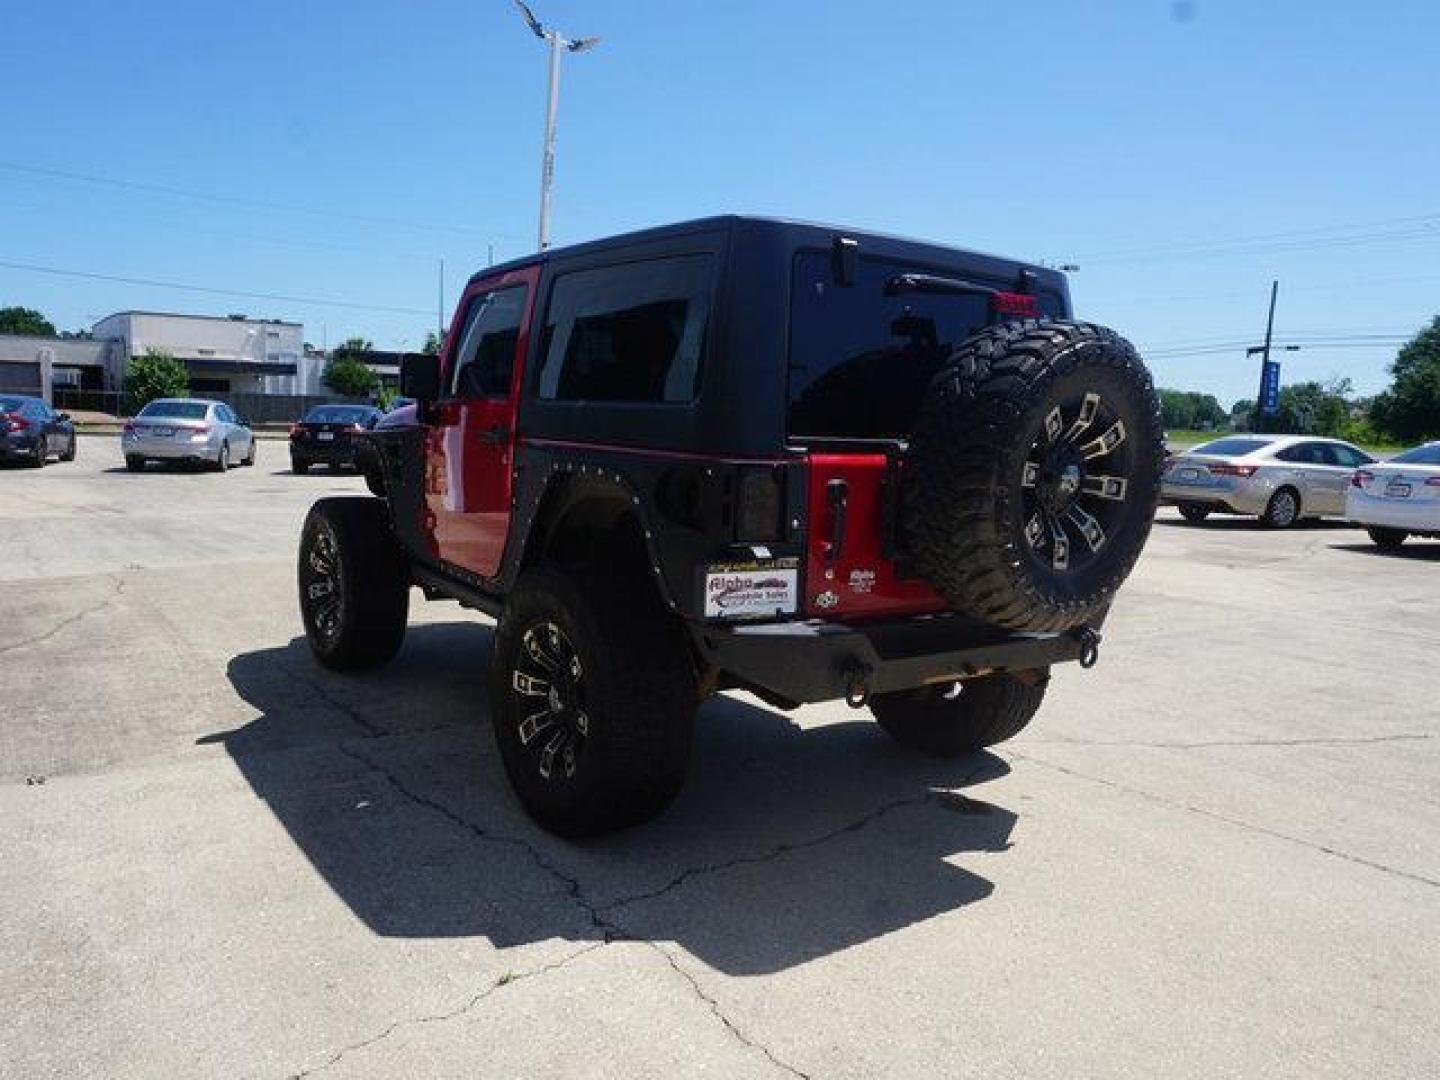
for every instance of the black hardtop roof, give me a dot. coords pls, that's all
(809, 232)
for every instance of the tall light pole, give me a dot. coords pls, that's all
(557, 42)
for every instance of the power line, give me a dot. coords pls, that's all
(1300, 236)
(187, 287)
(254, 204)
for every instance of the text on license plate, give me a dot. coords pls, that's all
(1189, 474)
(326, 436)
(1396, 490)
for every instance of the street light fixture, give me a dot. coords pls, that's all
(557, 42)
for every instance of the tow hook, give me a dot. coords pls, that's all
(1089, 647)
(857, 686)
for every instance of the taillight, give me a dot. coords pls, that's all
(294, 430)
(357, 427)
(1233, 470)
(757, 515)
(1013, 305)
(14, 423)
(1361, 478)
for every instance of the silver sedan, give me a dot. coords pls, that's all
(187, 429)
(1277, 478)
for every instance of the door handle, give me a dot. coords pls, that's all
(837, 497)
(495, 436)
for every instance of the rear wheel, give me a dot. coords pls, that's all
(249, 458)
(1387, 539)
(298, 465)
(1283, 509)
(962, 717)
(593, 699)
(134, 462)
(354, 584)
(1193, 512)
(222, 459)
(40, 453)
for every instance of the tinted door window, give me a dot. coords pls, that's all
(1305, 454)
(632, 333)
(485, 355)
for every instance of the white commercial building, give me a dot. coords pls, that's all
(234, 354)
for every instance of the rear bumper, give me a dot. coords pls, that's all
(170, 449)
(820, 661)
(1237, 496)
(331, 453)
(18, 445)
(1419, 515)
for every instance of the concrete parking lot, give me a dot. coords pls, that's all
(1215, 855)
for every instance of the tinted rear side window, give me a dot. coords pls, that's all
(1421, 455)
(629, 333)
(1232, 447)
(860, 357)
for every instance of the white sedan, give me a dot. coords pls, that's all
(1398, 498)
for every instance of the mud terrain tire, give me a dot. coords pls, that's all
(1033, 474)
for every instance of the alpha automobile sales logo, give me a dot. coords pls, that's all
(738, 590)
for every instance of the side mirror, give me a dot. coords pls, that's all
(63, 417)
(420, 377)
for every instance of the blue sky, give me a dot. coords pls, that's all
(1182, 155)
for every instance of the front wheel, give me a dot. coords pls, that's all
(222, 459)
(963, 717)
(134, 462)
(1194, 513)
(69, 454)
(1283, 509)
(1387, 539)
(249, 458)
(593, 700)
(354, 584)
(40, 453)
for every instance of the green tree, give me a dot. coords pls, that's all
(1312, 408)
(1410, 410)
(346, 371)
(432, 344)
(24, 320)
(1190, 409)
(157, 374)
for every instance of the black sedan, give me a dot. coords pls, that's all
(327, 433)
(32, 432)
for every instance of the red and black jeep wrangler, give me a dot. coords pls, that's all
(803, 461)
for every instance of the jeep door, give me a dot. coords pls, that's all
(469, 446)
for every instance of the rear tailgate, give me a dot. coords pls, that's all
(851, 570)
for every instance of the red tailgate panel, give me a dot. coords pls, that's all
(861, 582)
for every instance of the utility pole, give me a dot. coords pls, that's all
(1269, 378)
(556, 41)
(440, 307)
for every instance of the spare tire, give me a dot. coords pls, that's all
(1033, 473)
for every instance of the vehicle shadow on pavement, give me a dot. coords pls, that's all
(788, 844)
(1413, 550)
(1250, 524)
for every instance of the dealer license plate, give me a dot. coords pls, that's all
(1397, 490)
(326, 436)
(750, 590)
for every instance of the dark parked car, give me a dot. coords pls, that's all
(31, 431)
(326, 435)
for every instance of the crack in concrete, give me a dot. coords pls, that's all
(719, 1013)
(1338, 740)
(1238, 823)
(598, 913)
(348, 711)
(508, 979)
(70, 620)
